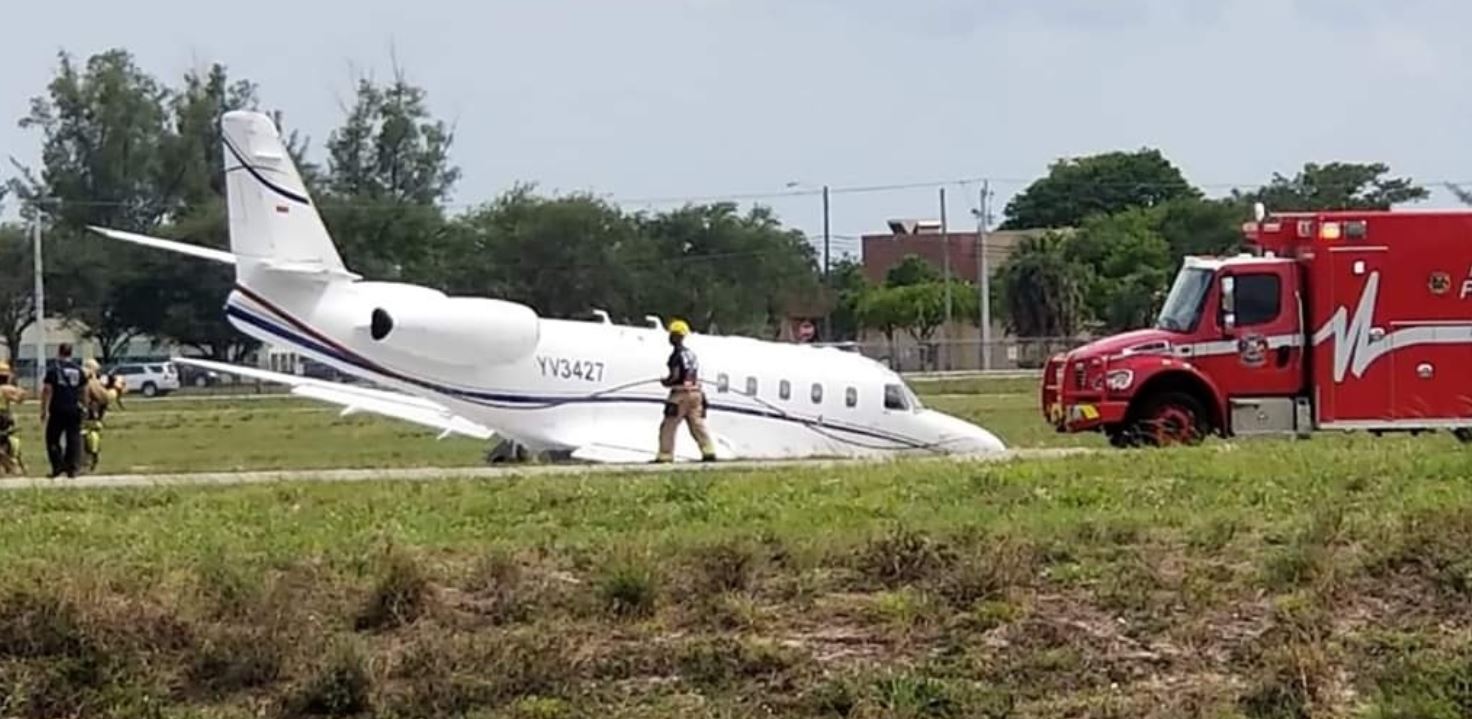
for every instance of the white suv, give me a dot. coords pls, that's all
(150, 378)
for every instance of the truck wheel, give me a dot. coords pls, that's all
(1173, 418)
(1464, 434)
(1121, 436)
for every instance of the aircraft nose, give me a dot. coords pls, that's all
(957, 436)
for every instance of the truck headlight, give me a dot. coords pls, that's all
(1120, 380)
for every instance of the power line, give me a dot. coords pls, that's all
(54, 204)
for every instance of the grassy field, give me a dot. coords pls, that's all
(188, 434)
(1328, 578)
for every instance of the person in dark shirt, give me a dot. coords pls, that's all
(686, 400)
(61, 412)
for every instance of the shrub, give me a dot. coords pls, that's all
(726, 566)
(399, 598)
(235, 660)
(629, 590)
(903, 556)
(341, 687)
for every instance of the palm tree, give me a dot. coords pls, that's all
(1041, 290)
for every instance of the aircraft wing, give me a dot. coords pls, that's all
(359, 399)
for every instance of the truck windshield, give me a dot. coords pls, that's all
(1187, 296)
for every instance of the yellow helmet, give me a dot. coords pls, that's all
(91, 366)
(678, 327)
(4, 367)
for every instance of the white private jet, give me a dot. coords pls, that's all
(586, 390)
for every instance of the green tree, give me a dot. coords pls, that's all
(103, 129)
(122, 150)
(1128, 266)
(1041, 290)
(911, 270)
(918, 309)
(1201, 227)
(562, 256)
(1077, 188)
(924, 307)
(104, 140)
(882, 308)
(721, 269)
(389, 148)
(190, 292)
(388, 175)
(101, 288)
(17, 311)
(1336, 186)
(192, 161)
(847, 284)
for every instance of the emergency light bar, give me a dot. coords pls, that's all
(1355, 229)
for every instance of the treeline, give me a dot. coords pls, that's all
(1121, 223)
(122, 149)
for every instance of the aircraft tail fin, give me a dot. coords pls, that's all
(273, 222)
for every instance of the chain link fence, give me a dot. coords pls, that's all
(1010, 354)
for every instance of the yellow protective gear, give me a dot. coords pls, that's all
(678, 327)
(91, 366)
(4, 367)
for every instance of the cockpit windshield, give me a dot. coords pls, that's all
(1187, 297)
(899, 397)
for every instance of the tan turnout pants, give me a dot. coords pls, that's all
(687, 405)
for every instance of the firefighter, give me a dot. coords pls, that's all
(97, 397)
(10, 459)
(686, 400)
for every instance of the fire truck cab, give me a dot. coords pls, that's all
(1332, 321)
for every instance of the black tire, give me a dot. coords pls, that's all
(201, 381)
(1463, 434)
(1170, 418)
(150, 389)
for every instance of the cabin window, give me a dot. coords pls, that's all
(817, 393)
(751, 386)
(851, 397)
(723, 383)
(784, 390)
(894, 397)
(1258, 299)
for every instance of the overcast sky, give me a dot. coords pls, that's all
(641, 99)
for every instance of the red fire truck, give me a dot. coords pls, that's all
(1332, 321)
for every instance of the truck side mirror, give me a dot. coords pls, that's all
(1227, 308)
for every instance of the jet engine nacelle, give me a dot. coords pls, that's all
(453, 330)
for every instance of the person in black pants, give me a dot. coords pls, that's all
(61, 413)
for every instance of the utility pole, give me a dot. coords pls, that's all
(39, 301)
(827, 280)
(945, 246)
(984, 275)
